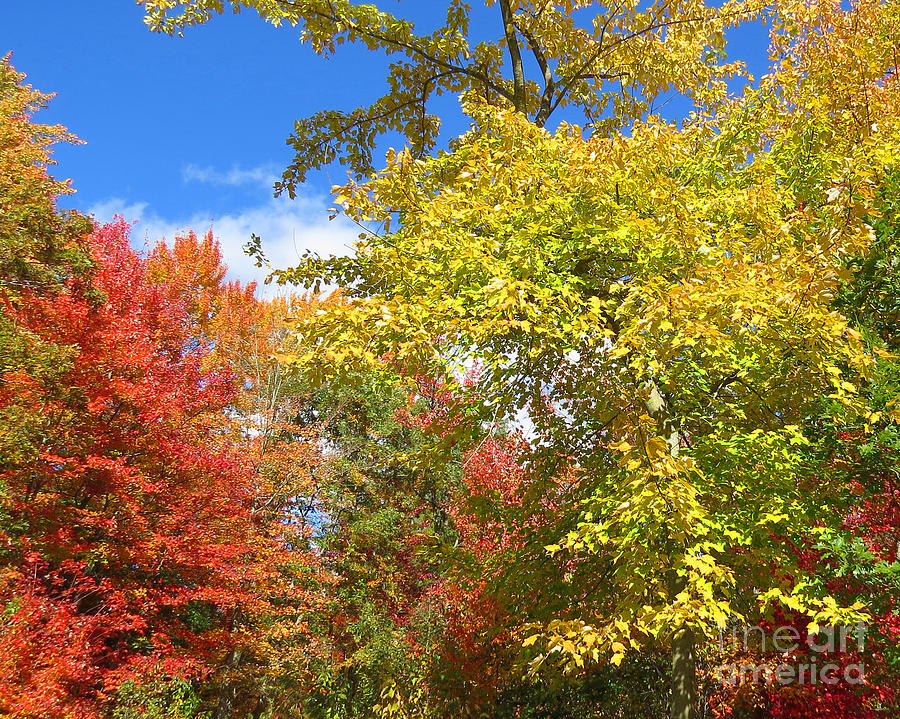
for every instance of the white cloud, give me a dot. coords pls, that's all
(264, 175)
(106, 210)
(287, 228)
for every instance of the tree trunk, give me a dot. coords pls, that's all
(228, 689)
(683, 697)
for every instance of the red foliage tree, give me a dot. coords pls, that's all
(128, 542)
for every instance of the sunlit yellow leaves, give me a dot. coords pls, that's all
(673, 287)
(575, 643)
(637, 252)
(656, 449)
(609, 66)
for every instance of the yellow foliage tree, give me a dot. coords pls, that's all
(660, 303)
(608, 60)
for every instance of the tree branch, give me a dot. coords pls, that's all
(372, 34)
(543, 113)
(515, 56)
(581, 72)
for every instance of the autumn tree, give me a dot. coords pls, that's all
(661, 304)
(861, 562)
(149, 560)
(608, 62)
(271, 423)
(38, 242)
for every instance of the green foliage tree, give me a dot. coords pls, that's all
(38, 242)
(374, 502)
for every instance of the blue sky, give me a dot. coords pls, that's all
(188, 132)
